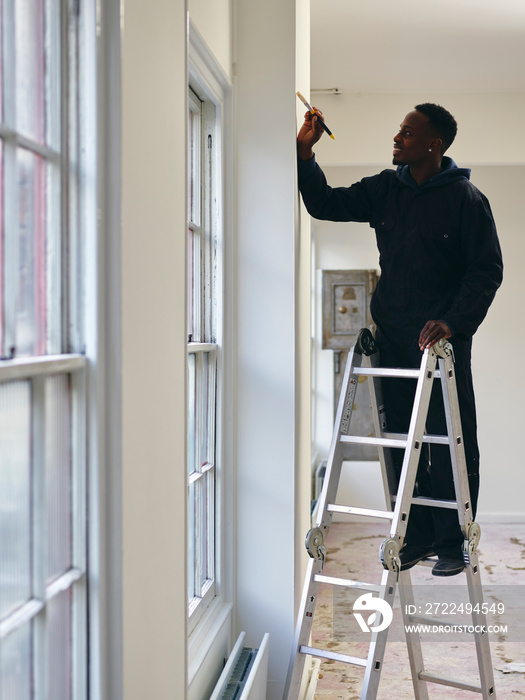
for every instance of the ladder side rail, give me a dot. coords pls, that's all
(479, 620)
(481, 636)
(413, 640)
(336, 453)
(414, 442)
(323, 521)
(401, 513)
(455, 434)
(303, 630)
(465, 515)
(376, 650)
(378, 414)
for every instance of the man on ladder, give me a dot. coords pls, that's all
(441, 266)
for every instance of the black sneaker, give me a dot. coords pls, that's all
(411, 554)
(448, 566)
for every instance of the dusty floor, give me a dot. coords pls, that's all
(353, 553)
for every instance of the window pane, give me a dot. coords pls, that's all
(204, 387)
(31, 293)
(59, 643)
(58, 476)
(191, 285)
(192, 411)
(1, 61)
(30, 68)
(191, 174)
(15, 496)
(16, 665)
(200, 544)
(208, 517)
(195, 289)
(2, 229)
(194, 168)
(191, 541)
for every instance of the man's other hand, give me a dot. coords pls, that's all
(432, 333)
(309, 134)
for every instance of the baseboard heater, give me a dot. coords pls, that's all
(245, 674)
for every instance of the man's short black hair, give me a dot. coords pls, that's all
(441, 121)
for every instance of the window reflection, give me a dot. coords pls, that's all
(15, 496)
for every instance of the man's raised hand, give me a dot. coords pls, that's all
(309, 134)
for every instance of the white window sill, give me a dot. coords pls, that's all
(202, 639)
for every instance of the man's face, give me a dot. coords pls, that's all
(412, 143)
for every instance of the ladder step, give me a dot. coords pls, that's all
(435, 502)
(333, 655)
(432, 439)
(392, 440)
(350, 510)
(380, 442)
(391, 372)
(429, 678)
(360, 585)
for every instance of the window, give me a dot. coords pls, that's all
(43, 637)
(202, 354)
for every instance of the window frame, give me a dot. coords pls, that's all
(212, 632)
(69, 203)
(204, 311)
(36, 371)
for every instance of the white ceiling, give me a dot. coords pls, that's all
(410, 46)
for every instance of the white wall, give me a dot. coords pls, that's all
(338, 246)
(154, 87)
(490, 126)
(352, 246)
(269, 253)
(499, 374)
(214, 21)
(303, 309)
(271, 332)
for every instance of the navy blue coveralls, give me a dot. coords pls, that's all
(440, 259)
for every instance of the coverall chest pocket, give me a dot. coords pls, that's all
(443, 226)
(386, 224)
(387, 242)
(444, 234)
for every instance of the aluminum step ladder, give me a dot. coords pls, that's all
(363, 361)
